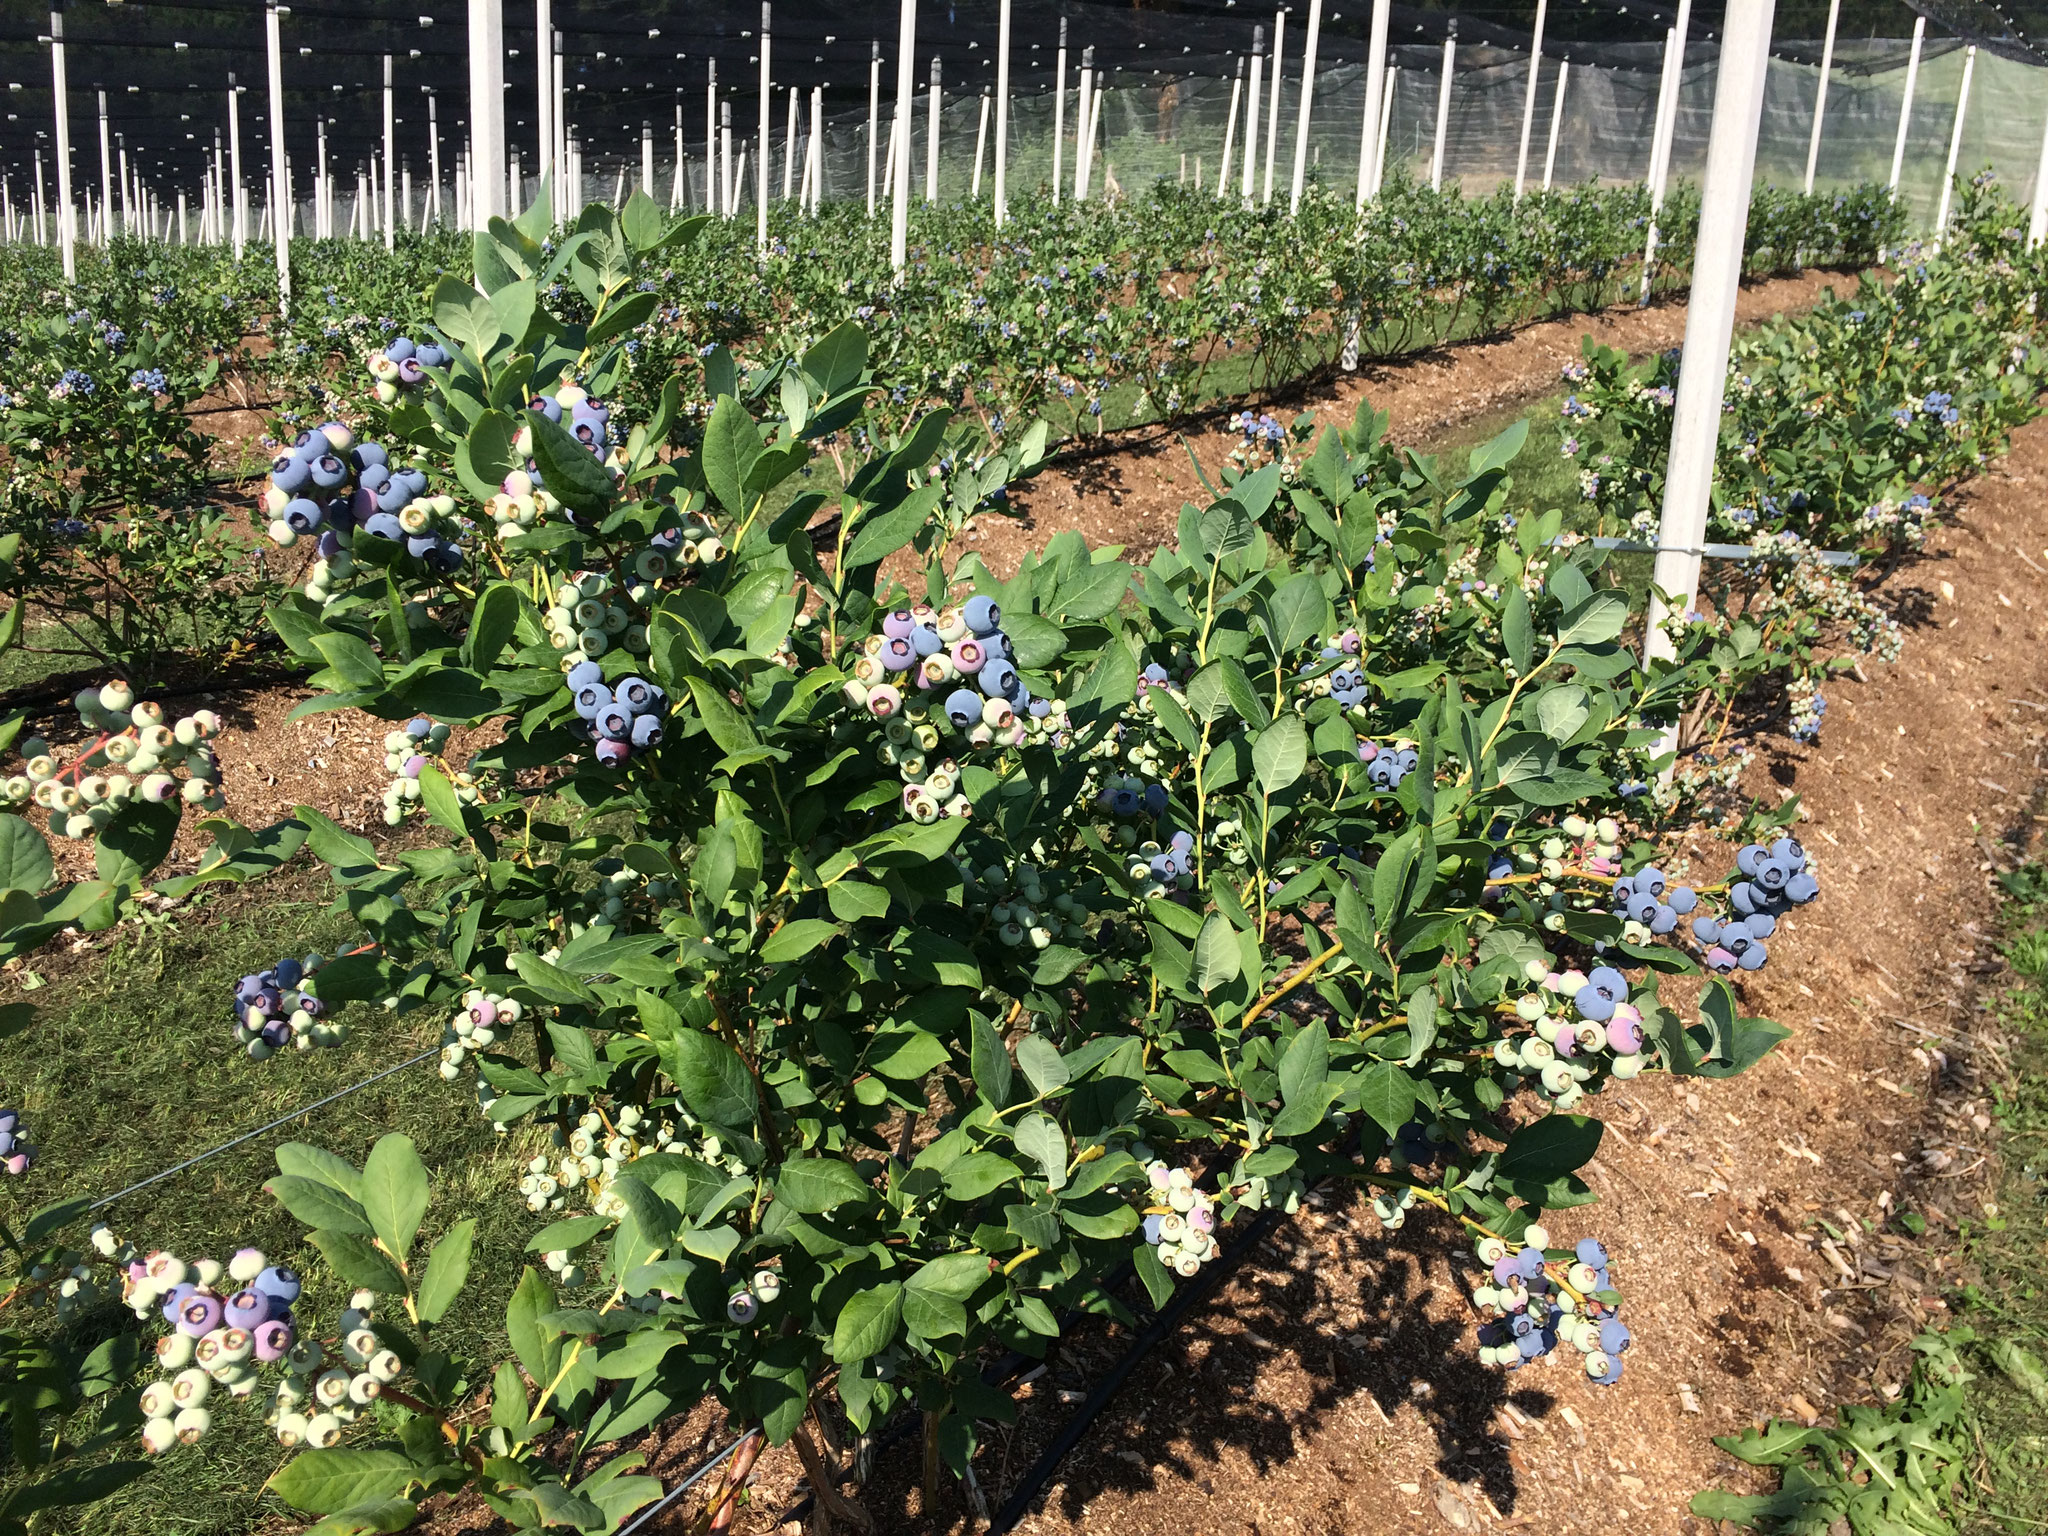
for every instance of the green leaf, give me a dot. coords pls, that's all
(732, 444)
(713, 1080)
(867, 1324)
(1158, 1283)
(350, 660)
(798, 938)
(1040, 1138)
(319, 1205)
(638, 1352)
(1039, 1059)
(492, 625)
(836, 361)
(1560, 711)
(447, 1271)
(1305, 1065)
(538, 1349)
(485, 457)
(395, 1192)
(323, 1482)
(1598, 619)
(1387, 1093)
(1518, 631)
(1280, 753)
(131, 846)
(990, 1062)
(355, 1261)
(571, 472)
(321, 1167)
(25, 863)
(816, 1185)
(1218, 959)
(1550, 1148)
(1422, 1012)
(438, 798)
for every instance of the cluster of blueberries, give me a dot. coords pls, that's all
(1534, 1311)
(747, 1300)
(329, 484)
(18, 1155)
(227, 1322)
(1646, 897)
(277, 1008)
(406, 754)
(619, 719)
(1346, 682)
(1127, 795)
(1180, 1221)
(1776, 880)
(475, 1028)
(1159, 870)
(135, 755)
(1386, 767)
(963, 646)
(403, 364)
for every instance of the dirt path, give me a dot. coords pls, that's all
(1132, 496)
(1331, 1387)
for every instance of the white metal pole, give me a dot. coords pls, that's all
(2037, 221)
(677, 187)
(131, 213)
(1710, 315)
(1273, 101)
(405, 188)
(321, 229)
(107, 163)
(761, 170)
(1379, 170)
(391, 155)
(1308, 91)
(1443, 110)
(240, 192)
(874, 116)
(899, 212)
(561, 152)
(1375, 95)
(1955, 142)
(434, 154)
(1529, 95)
(980, 147)
(1660, 155)
(280, 173)
(931, 135)
(1820, 93)
(1230, 127)
(43, 210)
(1251, 114)
(1084, 138)
(729, 188)
(1906, 103)
(815, 160)
(183, 237)
(647, 158)
(1059, 110)
(544, 90)
(486, 111)
(1002, 187)
(1564, 70)
(714, 189)
(789, 150)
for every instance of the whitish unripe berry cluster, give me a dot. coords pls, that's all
(133, 755)
(621, 717)
(620, 897)
(1777, 880)
(588, 618)
(1158, 870)
(16, 1155)
(402, 365)
(1345, 681)
(227, 1321)
(1579, 1024)
(421, 744)
(1027, 911)
(484, 1017)
(747, 1301)
(276, 1008)
(1180, 1220)
(587, 1159)
(1537, 1300)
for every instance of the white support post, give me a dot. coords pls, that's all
(815, 160)
(1667, 130)
(2037, 220)
(221, 220)
(1084, 122)
(789, 150)
(1529, 96)
(43, 213)
(391, 155)
(1002, 187)
(1308, 92)
(183, 237)
(714, 189)
(321, 229)
(1375, 95)
(1059, 110)
(1955, 142)
(405, 189)
(980, 148)
(280, 173)
(434, 155)
(1710, 316)
(1230, 127)
(544, 92)
(1443, 109)
(729, 188)
(1906, 103)
(906, 65)
(647, 158)
(1386, 125)
(619, 189)
(561, 150)
(1251, 113)
(761, 149)
(130, 213)
(486, 111)
(1273, 102)
(238, 191)
(106, 163)
(874, 116)
(678, 183)
(1820, 93)
(931, 133)
(1564, 70)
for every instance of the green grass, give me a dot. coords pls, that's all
(131, 1066)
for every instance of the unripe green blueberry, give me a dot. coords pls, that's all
(1536, 1235)
(159, 1435)
(322, 1431)
(158, 1400)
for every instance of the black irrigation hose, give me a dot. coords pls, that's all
(1163, 1324)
